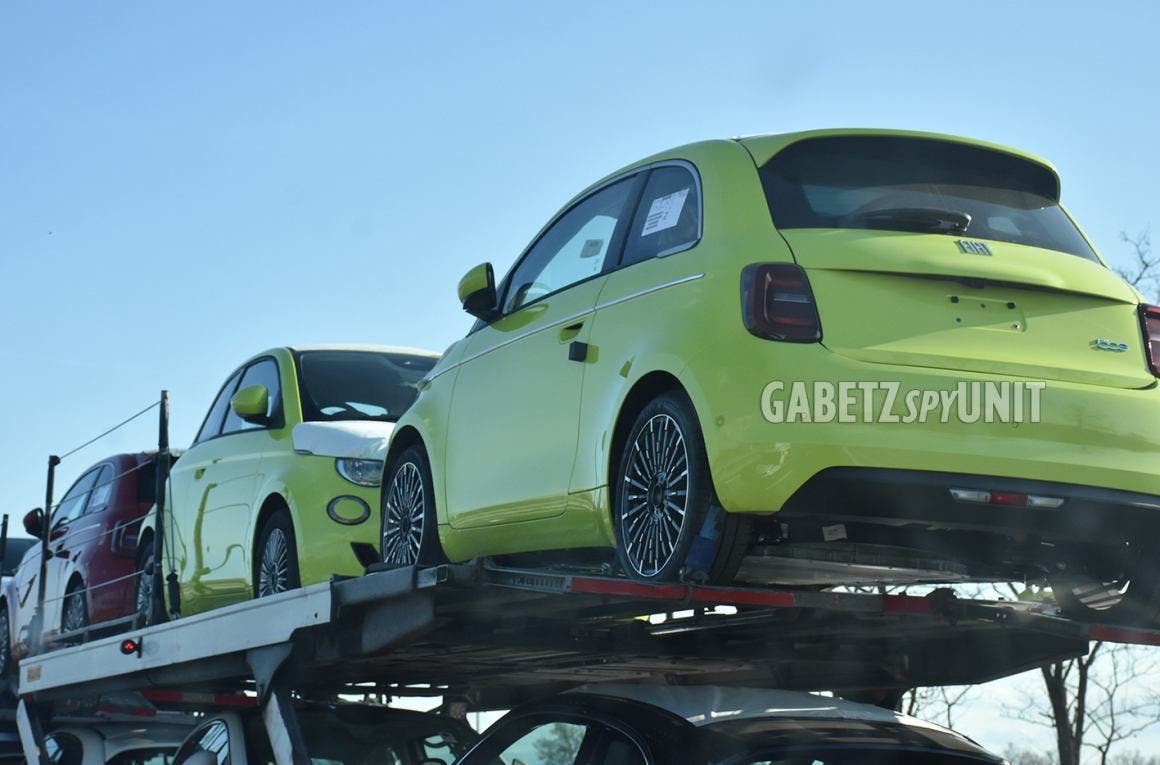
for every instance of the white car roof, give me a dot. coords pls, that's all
(707, 704)
(118, 737)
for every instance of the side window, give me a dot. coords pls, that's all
(213, 739)
(213, 421)
(555, 743)
(102, 491)
(573, 249)
(63, 749)
(73, 504)
(618, 749)
(668, 217)
(143, 757)
(264, 372)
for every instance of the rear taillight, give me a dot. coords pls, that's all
(778, 304)
(1150, 322)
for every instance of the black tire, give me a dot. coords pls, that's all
(1134, 598)
(149, 596)
(659, 537)
(276, 557)
(410, 530)
(74, 614)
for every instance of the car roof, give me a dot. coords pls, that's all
(123, 736)
(707, 704)
(368, 348)
(765, 145)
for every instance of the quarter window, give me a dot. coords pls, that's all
(213, 421)
(263, 372)
(102, 491)
(668, 217)
(575, 248)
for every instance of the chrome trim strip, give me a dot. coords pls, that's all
(570, 319)
(673, 283)
(566, 320)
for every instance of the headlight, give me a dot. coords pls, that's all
(362, 472)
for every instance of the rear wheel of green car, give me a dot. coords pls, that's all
(667, 521)
(410, 531)
(1131, 598)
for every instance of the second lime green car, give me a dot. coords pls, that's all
(827, 358)
(277, 489)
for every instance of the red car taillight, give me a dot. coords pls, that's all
(778, 304)
(1150, 322)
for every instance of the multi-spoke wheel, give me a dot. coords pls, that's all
(150, 609)
(75, 611)
(277, 557)
(663, 495)
(410, 533)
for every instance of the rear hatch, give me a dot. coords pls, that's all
(933, 253)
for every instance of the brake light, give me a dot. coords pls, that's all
(1006, 498)
(1150, 323)
(778, 304)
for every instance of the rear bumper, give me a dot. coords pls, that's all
(917, 499)
(1086, 436)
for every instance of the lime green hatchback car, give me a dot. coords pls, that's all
(279, 485)
(830, 357)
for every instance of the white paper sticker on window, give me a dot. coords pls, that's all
(665, 212)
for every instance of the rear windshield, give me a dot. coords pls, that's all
(790, 741)
(358, 385)
(918, 185)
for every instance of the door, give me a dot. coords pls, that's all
(78, 534)
(68, 516)
(213, 493)
(511, 438)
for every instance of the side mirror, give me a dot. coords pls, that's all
(477, 292)
(251, 403)
(34, 523)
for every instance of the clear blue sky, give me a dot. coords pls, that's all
(182, 185)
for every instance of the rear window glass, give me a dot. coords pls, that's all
(918, 185)
(359, 385)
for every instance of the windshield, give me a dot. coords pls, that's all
(358, 385)
(370, 736)
(918, 185)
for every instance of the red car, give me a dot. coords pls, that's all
(95, 557)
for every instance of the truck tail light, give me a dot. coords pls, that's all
(1150, 323)
(778, 304)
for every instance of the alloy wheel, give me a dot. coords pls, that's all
(145, 595)
(403, 515)
(274, 568)
(75, 616)
(655, 495)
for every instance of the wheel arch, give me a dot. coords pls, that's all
(645, 389)
(404, 437)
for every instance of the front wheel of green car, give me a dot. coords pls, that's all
(410, 531)
(1132, 598)
(277, 557)
(667, 522)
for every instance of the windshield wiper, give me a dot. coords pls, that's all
(921, 219)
